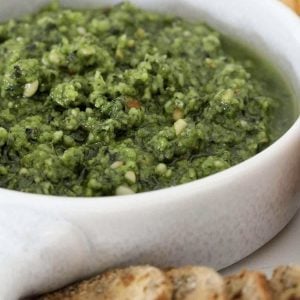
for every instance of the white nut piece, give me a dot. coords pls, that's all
(130, 176)
(30, 89)
(161, 168)
(124, 190)
(179, 126)
(117, 164)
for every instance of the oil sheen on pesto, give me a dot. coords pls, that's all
(120, 101)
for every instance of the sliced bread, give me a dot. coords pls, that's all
(285, 283)
(186, 283)
(197, 283)
(134, 283)
(248, 285)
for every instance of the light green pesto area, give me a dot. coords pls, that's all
(118, 101)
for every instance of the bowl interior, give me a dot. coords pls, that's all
(248, 23)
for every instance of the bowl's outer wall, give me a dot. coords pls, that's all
(215, 221)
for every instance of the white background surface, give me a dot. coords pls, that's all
(283, 249)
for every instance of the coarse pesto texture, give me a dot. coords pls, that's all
(120, 101)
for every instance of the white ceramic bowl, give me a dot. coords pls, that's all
(214, 221)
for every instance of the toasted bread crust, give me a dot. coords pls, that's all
(285, 283)
(197, 283)
(186, 283)
(248, 285)
(134, 283)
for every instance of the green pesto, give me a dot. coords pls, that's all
(119, 101)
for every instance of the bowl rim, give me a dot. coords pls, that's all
(142, 198)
